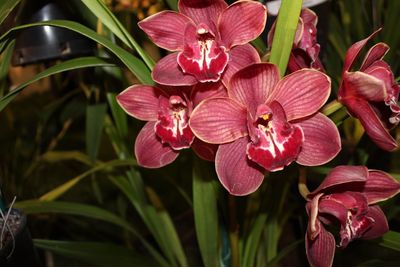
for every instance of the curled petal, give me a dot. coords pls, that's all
(204, 150)
(380, 225)
(168, 72)
(202, 91)
(166, 29)
(333, 208)
(362, 84)
(380, 186)
(377, 52)
(302, 93)
(242, 22)
(219, 120)
(149, 150)
(321, 140)
(239, 57)
(321, 250)
(252, 85)
(239, 175)
(140, 101)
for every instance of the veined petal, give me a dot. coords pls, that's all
(168, 72)
(333, 208)
(252, 85)
(242, 22)
(321, 140)
(380, 225)
(203, 11)
(362, 110)
(219, 120)
(239, 57)
(166, 29)
(140, 101)
(377, 52)
(362, 84)
(239, 175)
(340, 176)
(202, 91)
(302, 93)
(149, 150)
(380, 186)
(204, 150)
(321, 250)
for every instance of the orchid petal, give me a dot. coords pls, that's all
(340, 176)
(202, 91)
(377, 52)
(219, 120)
(140, 101)
(149, 150)
(239, 175)
(166, 29)
(240, 56)
(362, 84)
(321, 250)
(302, 93)
(204, 11)
(204, 150)
(168, 72)
(380, 225)
(380, 186)
(321, 140)
(252, 85)
(370, 121)
(333, 208)
(242, 22)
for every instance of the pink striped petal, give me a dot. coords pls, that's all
(380, 225)
(242, 22)
(341, 175)
(168, 72)
(239, 57)
(321, 250)
(239, 175)
(202, 91)
(204, 150)
(252, 85)
(203, 11)
(302, 93)
(380, 186)
(370, 121)
(149, 150)
(377, 52)
(364, 85)
(166, 29)
(140, 101)
(219, 120)
(321, 141)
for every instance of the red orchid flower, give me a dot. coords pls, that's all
(371, 94)
(208, 37)
(347, 197)
(265, 124)
(167, 111)
(305, 49)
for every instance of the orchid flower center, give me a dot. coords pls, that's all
(202, 56)
(274, 142)
(172, 126)
(356, 226)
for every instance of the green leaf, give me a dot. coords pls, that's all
(119, 115)
(253, 241)
(283, 252)
(205, 212)
(107, 17)
(94, 127)
(5, 65)
(99, 254)
(391, 240)
(56, 156)
(286, 26)
(173, 4)
(134, 64)
(6, 6)
(72, 64)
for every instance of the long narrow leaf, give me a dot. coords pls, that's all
(391, 240)
(4, 66)
(6, 6)
(94, 127)
(253, 241)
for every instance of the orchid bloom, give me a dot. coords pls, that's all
(305, 49)
(347, 197)
(167, 111)
(208, 38)
(371, 94)
(265, 124)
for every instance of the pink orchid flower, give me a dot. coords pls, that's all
(167, 111)
(371, 94)
(265, 124)
(208, 37)
(347, 197)
(305, 49)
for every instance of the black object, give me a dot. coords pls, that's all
(18, 251)
(46, 43)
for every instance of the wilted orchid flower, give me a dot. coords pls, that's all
(371, 94)
(305, 49)
(265, 124)
(167, 112)
(208, 37)
(347, 197)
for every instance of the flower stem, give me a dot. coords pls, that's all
(233, 231)
(302, 185)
